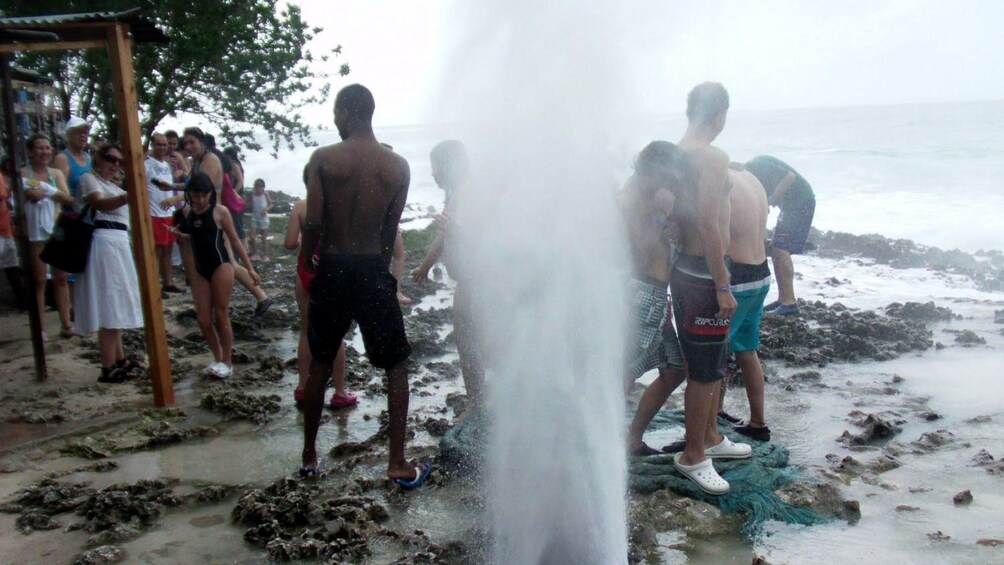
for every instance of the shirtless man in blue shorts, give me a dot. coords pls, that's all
(750, 281)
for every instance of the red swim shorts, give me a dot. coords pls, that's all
(161, 236)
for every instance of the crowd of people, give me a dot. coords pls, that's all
(696, 225)
(88, 181)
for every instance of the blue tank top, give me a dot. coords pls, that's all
(76, 169)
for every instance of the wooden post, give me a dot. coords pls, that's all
(120, 53)
(34, 316)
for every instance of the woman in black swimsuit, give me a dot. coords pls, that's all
(205, 224)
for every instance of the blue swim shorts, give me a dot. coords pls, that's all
(750, 285)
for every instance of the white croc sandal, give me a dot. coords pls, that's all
(703, 474)
(728, 450)
(223, 371)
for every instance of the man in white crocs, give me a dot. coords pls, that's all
(702, 297)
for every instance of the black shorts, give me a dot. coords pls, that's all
(792, 229)
(704, 338)
(360, 288)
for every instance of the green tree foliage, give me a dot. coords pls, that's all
(242, 65)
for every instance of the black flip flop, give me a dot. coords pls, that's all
(644, 451)
(729, 417)
(112, 375)
(675, 447)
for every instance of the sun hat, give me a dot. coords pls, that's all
(75, 123)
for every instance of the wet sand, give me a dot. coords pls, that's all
(213, 479)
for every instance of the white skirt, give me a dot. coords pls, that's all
(106, 294)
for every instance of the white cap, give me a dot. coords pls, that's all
(75, 123)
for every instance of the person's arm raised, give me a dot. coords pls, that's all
(714, 164)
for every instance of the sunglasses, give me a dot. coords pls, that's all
(113, 160)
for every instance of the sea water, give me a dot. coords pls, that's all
(927, 172)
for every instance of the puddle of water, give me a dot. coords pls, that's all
(204, 536)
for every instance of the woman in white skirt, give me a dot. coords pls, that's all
(107, 292)
(45, 187)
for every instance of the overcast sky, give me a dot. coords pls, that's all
(768, 53)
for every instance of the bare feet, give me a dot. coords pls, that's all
(404, 300)
(309, 458)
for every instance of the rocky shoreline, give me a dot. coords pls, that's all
(67, 433)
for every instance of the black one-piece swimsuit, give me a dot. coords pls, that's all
(207, 242)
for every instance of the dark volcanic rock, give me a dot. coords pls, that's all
(933, 440)
(962, 498)
(437, 427)
(968, 338)
(919, 312)
(161, 433)
(101, 555)
(238, 404)
(807, 377)
(989, 542)
(822, 334)
(88, 448)
(876, 429)
(982, 458)
(136, 506)
(986, 461)
(987, 271)
(296, 520)
(32, 521)
(48, 496)
(422, 328)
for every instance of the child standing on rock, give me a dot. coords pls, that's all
(204, 224)
(261, 203)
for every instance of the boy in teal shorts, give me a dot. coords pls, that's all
(749, 280)
(750, 285)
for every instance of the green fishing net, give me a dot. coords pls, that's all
(753, 481)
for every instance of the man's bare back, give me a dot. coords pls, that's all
(356, 191)
(713, 195)
(748, 225)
